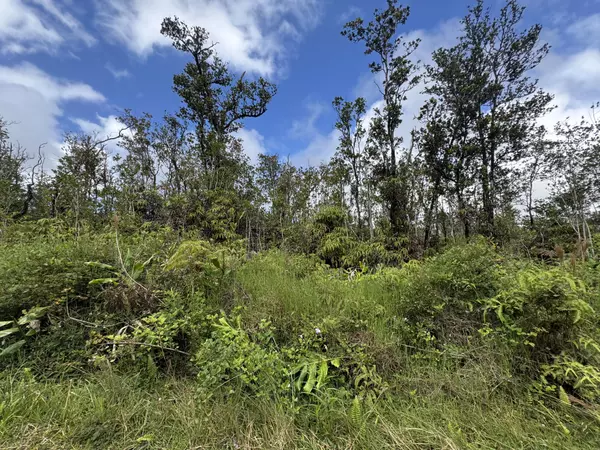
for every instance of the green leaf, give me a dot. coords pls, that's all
(100, 265)
(137, 270)
(145, 438)
(12, 348)
(562, 395)
(216, 263)
(5, 323)
(323, 370)
(104, 281)
(335, 362)
(300, 379)
(312, 378)
(4, 333)
(32, 314)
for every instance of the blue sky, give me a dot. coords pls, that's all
(74, 65)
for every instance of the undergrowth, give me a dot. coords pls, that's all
(160, 340)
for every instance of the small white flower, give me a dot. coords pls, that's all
(318, 331)
(301, 336)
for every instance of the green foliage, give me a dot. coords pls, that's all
(338, 350)
(442, 293)
(157, 341)
(178, 297)
(544, 309)
(27, 325)
(582, 379)
(201, 265)
(202, 256)
(230, 357)
(331, 217)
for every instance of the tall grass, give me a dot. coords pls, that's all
(113, 411)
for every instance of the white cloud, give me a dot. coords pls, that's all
(29, 76)
(575, 72)
(586, 30)
(33, 100)
(105, 128)
(320, 150)
(349, 14)
(306, 127)
(31, 26)
(251, 33)
(117, 73)
(253, 143)
(572, 69)
(321, 147)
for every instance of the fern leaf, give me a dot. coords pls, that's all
(356, 411)
(562, 395)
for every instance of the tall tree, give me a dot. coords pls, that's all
(510, 102)
(351, 149)
(489, 101)
(399, 75)
(215, 103)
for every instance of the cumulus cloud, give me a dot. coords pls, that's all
(572, 70)
(32, 26)
(33, 101)
(104, 128)
(251, 33)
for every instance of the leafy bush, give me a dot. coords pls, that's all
(545, 309)
(201, 265)
(163, 340)
(443, 292)
(230, 357)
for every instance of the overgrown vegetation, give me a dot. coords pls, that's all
(177, 297)
(200, 346)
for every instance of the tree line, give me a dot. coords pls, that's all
(472, 164)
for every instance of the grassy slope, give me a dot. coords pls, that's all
(461, 398)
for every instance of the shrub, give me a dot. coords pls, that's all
(545, 310)
(441, 293)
